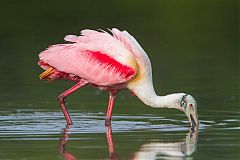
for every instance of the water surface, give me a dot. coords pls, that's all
(38, 134)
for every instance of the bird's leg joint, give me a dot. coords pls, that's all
(113, 92)
(62, 98)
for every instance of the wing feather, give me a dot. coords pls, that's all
(94, 66)
(98, 56)
(135, 48)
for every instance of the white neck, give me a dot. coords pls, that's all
(145, 92)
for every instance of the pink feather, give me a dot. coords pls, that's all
(97, 57)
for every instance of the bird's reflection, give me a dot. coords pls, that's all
(111, 148)
(183, 149)
(62, 145)
(169, 150)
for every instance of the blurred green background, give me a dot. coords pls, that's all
(192, 44)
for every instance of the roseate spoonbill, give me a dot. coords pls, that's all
(109, 62)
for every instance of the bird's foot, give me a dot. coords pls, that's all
(107, 122)
(69, 122)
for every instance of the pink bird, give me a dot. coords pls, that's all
(111, 62)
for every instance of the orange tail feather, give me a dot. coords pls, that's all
(46, 73)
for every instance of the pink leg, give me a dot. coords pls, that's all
(62, 98)
(110, 107)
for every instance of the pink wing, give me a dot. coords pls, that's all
(95, 56)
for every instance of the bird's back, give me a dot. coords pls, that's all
(98, 57)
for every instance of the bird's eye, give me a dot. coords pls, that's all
(183, 103)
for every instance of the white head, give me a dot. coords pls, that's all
(181, 101)
(188, 105)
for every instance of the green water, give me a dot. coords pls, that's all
(193, 47)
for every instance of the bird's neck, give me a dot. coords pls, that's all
(145, 92)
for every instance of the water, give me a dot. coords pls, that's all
(38, 134)
(191, 51)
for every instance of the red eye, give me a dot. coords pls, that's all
(190, 105)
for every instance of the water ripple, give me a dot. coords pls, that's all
(32, 123)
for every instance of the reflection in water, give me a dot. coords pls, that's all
(111, 149)
(62, 145)
(169, 150)
(183, 149)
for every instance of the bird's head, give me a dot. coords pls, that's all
(188, 105)
(181, 101)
